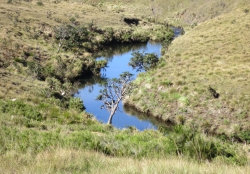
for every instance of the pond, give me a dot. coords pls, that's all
(118, 57)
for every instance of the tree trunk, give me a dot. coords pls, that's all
(110, 118)
(59, 45)
(112, 113)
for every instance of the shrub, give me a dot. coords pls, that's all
(190, 142)
(40, 3)
(246, 10)
(143, 62)
(36, 70)
(70, 36)
(98, 65)
(76, 103)
(73, 20)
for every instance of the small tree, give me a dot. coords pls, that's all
(141, 61)
(69, 36)
(114, 91)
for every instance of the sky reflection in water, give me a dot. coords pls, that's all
(117, 64)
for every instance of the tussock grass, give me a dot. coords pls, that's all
(178, 12)
(58, 160)
(33, 129)
(42, 134)
(215, 53)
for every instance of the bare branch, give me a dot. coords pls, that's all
(114, 91)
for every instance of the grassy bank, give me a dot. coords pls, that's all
(45, 45)
(60, 160)
(203, 79)
(28, 133)
(60, 44)
(178, 12)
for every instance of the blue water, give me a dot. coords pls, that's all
(177, 32)
(117, 64)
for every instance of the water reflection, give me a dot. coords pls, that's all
(178, 31)
(142, 116)
(117, 49)
(118, 57)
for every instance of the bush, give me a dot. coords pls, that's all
(143, 62)
(36, 70)
(76, 103)
(40, 3)
(189, 142)
(70, 36)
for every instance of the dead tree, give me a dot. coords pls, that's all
(61, 34)
(114, 92)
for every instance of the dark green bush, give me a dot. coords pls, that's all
(143, 62)
(76, 103)
(40, 3)
(191, 143)
(71, 36)
(35, 69)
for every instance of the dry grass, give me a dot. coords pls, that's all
(74, 161)
(19, 22)
(215, 53)
(17, 86)
(178, 12)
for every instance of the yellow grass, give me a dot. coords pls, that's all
(75, 161)
(215, 53)
(178, 12)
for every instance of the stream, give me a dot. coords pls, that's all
(118, 57)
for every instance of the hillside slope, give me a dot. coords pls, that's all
(213, 58)
(44, 129)
(178, 12)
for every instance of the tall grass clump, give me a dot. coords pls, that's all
(18, 108)
(195, 145)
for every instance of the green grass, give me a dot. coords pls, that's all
(215, 54)
(43, 134)
(22, 132)
(180, 12)
(61, 160)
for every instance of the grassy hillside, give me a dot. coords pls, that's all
(45, 130)
(32, 31)
(214, 54)
(178, 12)
(78, 161)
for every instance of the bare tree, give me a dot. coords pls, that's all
(61, 34)
(114, 91)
